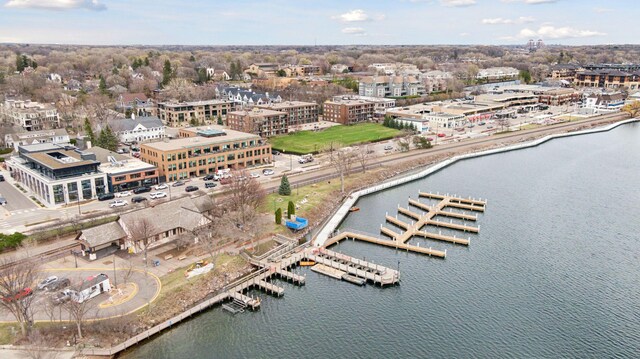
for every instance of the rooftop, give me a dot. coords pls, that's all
(59, 159)
(197, 141)
(194, 103)
(112, 162)
(257, 113)
(287, 104)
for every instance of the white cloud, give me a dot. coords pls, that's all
(549, 32)
(601, 10)
(457, 3)
(56, 4)
(532, 2)
(356, 31)
(501, 21)
(464, 34)
(353, 16)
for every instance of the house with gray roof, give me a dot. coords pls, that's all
(138, 129)
(103, 240)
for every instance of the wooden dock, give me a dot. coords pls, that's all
(404, 231)
(371, 272)
(290, 276)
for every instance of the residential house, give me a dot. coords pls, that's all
(604, 103)
(135, 103)
(56, 136)
(138, 129)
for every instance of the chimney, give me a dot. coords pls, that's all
(133, 116)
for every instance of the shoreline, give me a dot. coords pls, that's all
(332, 223)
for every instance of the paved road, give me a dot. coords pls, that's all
(146, 284)
(301, 174)
(16, 200)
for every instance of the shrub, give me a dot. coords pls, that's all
(291, 210)
(10, 241)
(279, 216)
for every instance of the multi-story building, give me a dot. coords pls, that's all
(301, 70)
(498, 74)
(136, 103)
(123, 172)
(58, 174)
(381, 104)
(262, 69)
(564, 71)
(202, 150)
(32, 116)
(604, 103)
(558, 97)
(198, 112)
(436, 80)
(349, 112)
(608, 78)
(298, 112)
(57, 136)
(138, 129)
(390, 86)
(262, 122)
(245, 98)
(445, 120)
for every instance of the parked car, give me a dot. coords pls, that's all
(1, 178)
(254, 175)
(267, 172)
(62, 297)
(388, 148)
(156, 195)
(136, 154)
(138, 199)
(106, 196)
(177, 183)
(275, 153)
(59, 284)
(122, 151)
(19, 295)
(118, 203)
(210, 184)
(45, 282)
(191, 188)
(142, 189)
(430, 139)
(441, 135)
(123, 194)
(160, 186)
(481, 123)
(209, 177)
(3, 202)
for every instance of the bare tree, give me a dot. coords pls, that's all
(38, 347)
(16, 293)
(141, 232)
(363, 154)
(341, 159)
(127, 272)
(503, 122)
(245, 195)
(78, 310)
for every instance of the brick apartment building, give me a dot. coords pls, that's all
(259, 121)
(202, 112)
(202, 150)
(349, 112)
(299, 112)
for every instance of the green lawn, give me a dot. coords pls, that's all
(304, 142)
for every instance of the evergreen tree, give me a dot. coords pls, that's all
(146, 61)
(192, 58)
(19, 64)
(285, 187)
(107, 139)
(167, 73)
(278, 216)
(220, 120)
(238, 70)
(88, 132)
(103, 85)
(291, 209)
(232, 70)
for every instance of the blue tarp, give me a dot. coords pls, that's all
(298, 224)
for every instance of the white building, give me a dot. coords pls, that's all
(498, 73)
(421, 124)
(57, 136)
(32, 116)
(604, 103)
(138, 129)
(58, 174)
(445, 120)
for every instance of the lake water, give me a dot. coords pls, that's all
(553, 273)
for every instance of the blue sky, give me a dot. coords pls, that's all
(305, 22)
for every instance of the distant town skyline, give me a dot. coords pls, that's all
(321, 22)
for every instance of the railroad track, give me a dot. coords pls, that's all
(44, 257)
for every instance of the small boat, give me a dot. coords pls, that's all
(307, 263)
(354, 209)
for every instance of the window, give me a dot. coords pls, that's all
(99, 183)
(87, 193)
(58, 194)
(135, 175)
(72, 191)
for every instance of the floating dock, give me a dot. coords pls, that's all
(405, 230)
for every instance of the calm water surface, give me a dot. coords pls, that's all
(553, 273)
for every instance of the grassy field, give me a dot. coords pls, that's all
(304, 142)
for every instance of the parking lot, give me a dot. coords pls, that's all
(16, 200)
